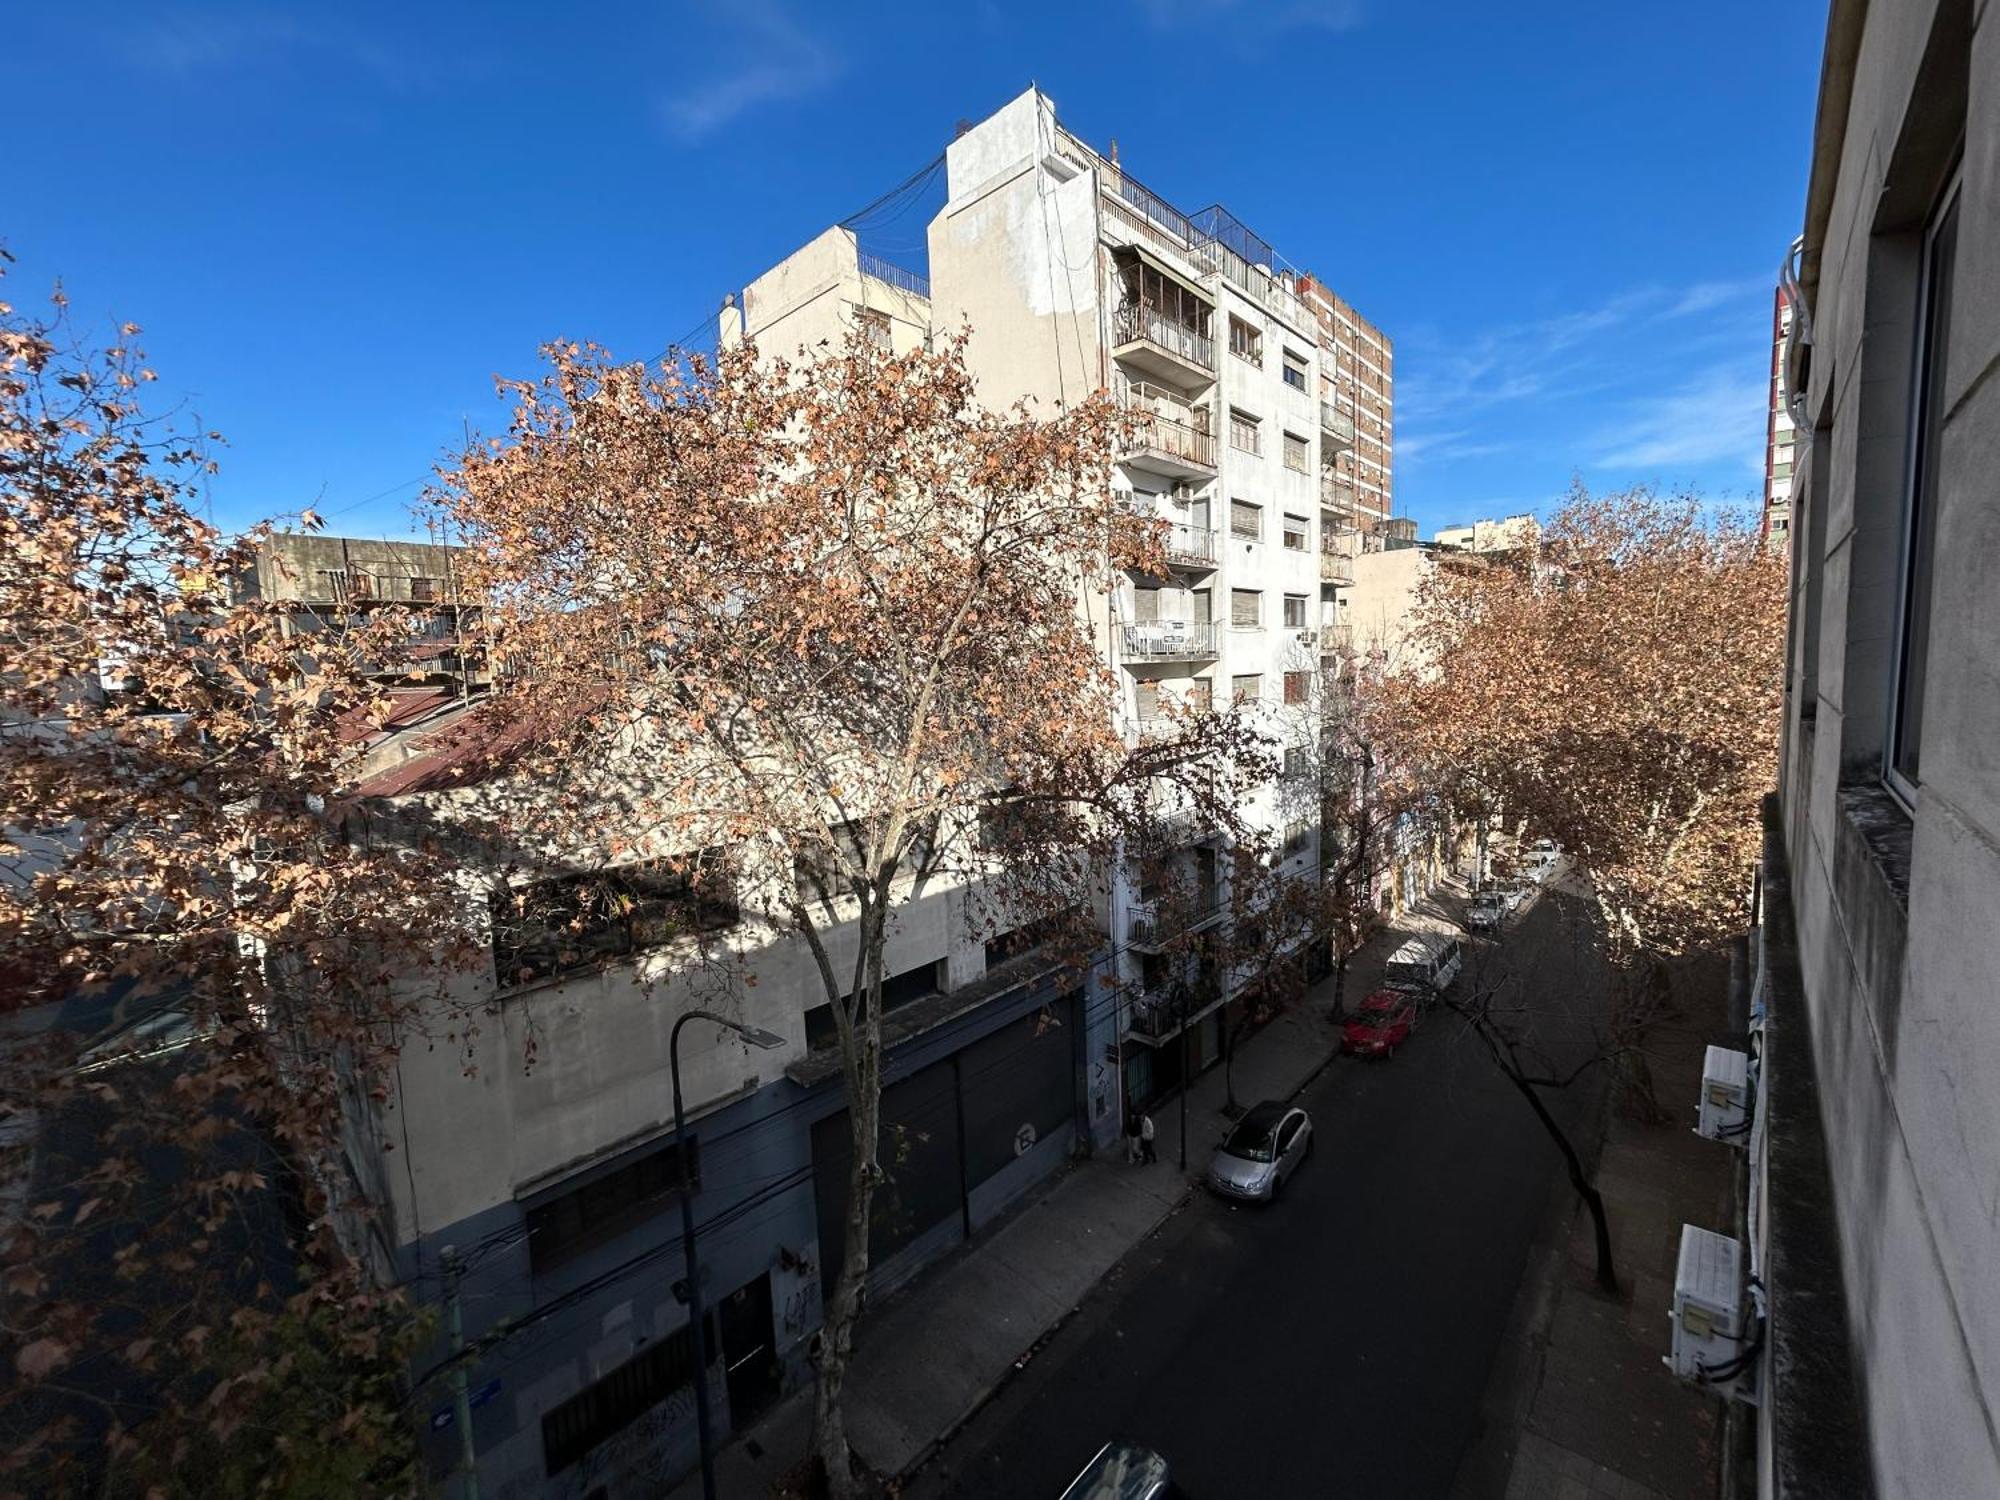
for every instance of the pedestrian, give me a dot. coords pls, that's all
(1146, 1138)
(1132, 1137)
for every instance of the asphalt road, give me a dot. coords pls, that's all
(1337, 1343)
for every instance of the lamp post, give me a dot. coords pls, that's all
(756, 1038)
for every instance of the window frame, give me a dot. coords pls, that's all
(1252, 350)
(1235, 531)
(1303, 613)
(1241, 420)
(1303, 448)
(1256, 598)
(1305, 532)
(1920, 465)
(1238, 695)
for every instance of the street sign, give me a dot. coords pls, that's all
(442, 1418)
(486, 1392)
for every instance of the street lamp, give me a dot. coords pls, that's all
(756, 1037)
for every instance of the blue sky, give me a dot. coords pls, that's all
(338, 222)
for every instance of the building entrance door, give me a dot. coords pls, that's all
(749, 1351)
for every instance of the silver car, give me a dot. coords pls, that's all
(1484, 911)
(1263, 1150)
(1121, 1471)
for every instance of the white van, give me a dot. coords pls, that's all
(1427, 963)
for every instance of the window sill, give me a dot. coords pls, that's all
(1877, 822)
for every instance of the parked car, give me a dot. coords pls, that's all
(1380, 1024)
(1484, 911)
(1263, 1150)
(1513, 893)
(1121, 1471)
(1425, 965)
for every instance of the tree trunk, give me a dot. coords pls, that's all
(843, 1310)
(1607, 1274)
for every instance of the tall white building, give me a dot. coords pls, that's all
(1779, 449)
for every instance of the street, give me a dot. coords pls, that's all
(1339, 1341)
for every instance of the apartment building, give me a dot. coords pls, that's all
(322, 580)
(1871, 1214)
(1508, 534)
(1779, 448)
(1358, 377)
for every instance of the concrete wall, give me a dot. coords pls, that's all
(291, 566)
(1894, 901)
(813, 297)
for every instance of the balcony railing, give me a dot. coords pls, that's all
(896, 276)
(1150, 924)
(1335, 568)
(1135, 323)
(1191, 546)
(1336, 495)
(1338, 424)
(1154, 432)
(1169, 640)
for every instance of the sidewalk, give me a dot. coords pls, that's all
(931, 1356)
(1581, 1404)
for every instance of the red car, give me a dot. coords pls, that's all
(1381, 1025)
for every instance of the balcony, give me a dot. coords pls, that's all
(1336, 568)
(1161, 346)
(1337, 495)
(1336, 430)
(1156, 1016)
(1170, 640)
(1191, 547)
(1151, 925)
(1168, 436)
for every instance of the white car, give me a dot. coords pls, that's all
(1263, 1150)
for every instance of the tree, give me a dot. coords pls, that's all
(1617, 691)
(194, 956)
(834, 619)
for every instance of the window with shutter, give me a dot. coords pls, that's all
(1149, 699)
(1298, 453)
(1145, 605)
(1297, 530)
(1246, 688)
(1243, 432)
(1246, 608)
(1246, 520)
(1295, 611)
(1298, 687)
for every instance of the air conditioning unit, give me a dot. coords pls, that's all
(1183, 492)
(1711, 1344)
(1725, 1097)
(1308, 637)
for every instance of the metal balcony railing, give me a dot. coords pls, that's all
(1149, 924)
(1155, 432)
(1169, 640)
(1337, 423)
(896, 276)
(1335, 568)
(1136, 323)
(1191, 546)
(1336, 495)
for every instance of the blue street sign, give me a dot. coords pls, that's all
(486, 1392)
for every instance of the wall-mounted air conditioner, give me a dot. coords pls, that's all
(1182, 492)
(1714, 1343)
(1725, 1097)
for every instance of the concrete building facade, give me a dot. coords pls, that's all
(1360, 380)
(1780, 455)
(1883, 863)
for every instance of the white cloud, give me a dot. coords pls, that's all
(188, 42)
(1718, 417)
(775, 59)
(1706, 296)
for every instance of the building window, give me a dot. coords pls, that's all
(873, 326)
(1145, 605)
(898, 990)
(1246, 342)
(1295, 370)
(1297, 760)
(1244, 432)
(1200, 695)
(1297, 530)
(1246, 520)
(1906, 719)
(1298, 452)
(580, 921)
(610, 1405)
(1246, 608)
(423, 590)
(608, 1205)
(1298, 838)
(1247, 687)
(1298, 687)
(1295, 611)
